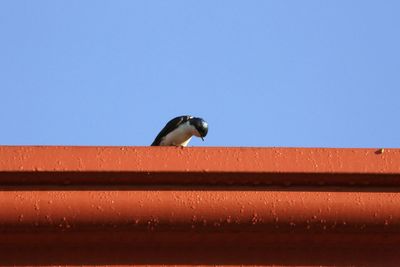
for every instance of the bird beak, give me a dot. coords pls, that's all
(202, 138)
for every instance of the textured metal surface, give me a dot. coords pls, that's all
(199, 159)
(220, 211)
(212, 206)
(197, 166)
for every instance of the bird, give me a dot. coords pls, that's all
(179, 131)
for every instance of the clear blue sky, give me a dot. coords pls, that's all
(262, 73)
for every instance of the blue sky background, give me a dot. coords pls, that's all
(262, 73)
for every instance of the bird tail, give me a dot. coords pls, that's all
(154, 143)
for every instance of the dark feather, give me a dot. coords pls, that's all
(169, 127)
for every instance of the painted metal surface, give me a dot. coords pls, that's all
(213, 165)
(211, 206)
(192, 210)
(199, 159)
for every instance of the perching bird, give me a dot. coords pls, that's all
(179, 131)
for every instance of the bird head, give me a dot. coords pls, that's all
(200, 125)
